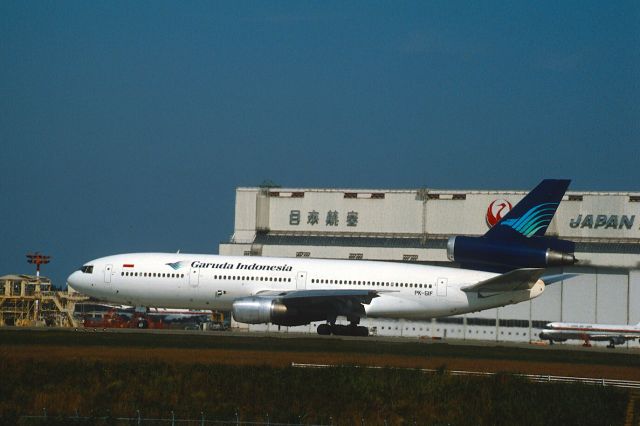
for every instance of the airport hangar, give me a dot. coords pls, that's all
(414, 226)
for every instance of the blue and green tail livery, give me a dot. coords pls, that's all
(533, 214)
(518, 240)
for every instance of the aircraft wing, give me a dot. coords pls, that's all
(518, 279)
(321, 296)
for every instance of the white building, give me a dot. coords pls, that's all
(414, 225)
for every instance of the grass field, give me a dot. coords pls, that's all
(119, 373)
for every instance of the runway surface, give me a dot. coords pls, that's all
(283, 349)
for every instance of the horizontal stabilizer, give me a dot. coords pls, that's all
(518, 279)
(551, 279)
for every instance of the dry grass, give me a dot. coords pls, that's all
(220, 375)
(30, 353)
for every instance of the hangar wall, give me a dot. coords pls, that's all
(414, 225)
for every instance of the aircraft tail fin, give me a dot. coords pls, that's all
(532, 215)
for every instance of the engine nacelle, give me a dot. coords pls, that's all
(258, 310)
(618, 340)
(528, 254)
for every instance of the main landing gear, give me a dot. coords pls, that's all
(342, 330)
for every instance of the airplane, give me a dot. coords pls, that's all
(292, 291)
(615, 334)
(289, 291)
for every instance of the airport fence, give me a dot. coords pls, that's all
(538, 378)
(139, 419)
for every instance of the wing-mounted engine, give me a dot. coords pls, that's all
(299, 307)
(258, 310)
(617, 340)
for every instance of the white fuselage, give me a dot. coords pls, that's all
(585, 331)
(199, 281)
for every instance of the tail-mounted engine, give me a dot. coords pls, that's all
(539, 252)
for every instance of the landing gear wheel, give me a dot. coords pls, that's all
(349, 330)
(324, 329)
(362, 331)
(339, 330)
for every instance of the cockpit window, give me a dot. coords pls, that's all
(87, 269)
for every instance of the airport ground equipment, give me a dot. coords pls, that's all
(114, 319)
(27, 300)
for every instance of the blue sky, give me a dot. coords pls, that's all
(126, 126)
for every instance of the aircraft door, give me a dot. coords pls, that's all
(194, 277)
(301, 281)
(442, 287)
(107, 273)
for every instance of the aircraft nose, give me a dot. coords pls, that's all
(74, 281)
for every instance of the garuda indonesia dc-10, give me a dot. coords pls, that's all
(292, 291)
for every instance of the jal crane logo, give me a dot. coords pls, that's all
(496, 211)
